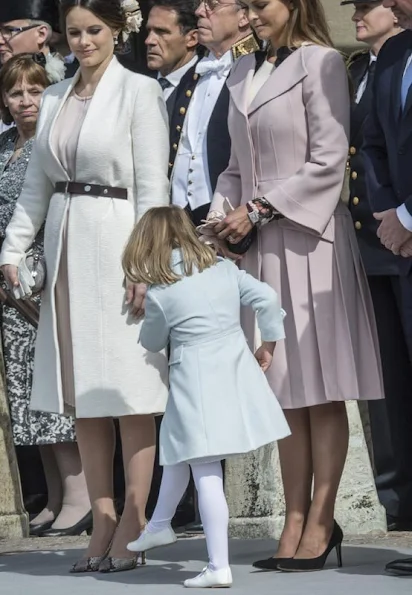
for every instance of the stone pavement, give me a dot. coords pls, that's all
(44, 572)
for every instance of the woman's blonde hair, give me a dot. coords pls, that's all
(308, 24)
(147, 257)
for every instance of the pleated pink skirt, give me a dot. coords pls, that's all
(331, 350)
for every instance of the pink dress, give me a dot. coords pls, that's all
(65, 140)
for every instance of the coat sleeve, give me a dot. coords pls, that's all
(30, 212)
(229, 184)
(378, 179)
(264, 301)
(310, 196)
(154, 334)
(150, 145)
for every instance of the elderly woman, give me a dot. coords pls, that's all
(23, 80)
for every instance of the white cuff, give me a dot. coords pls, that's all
(404, 217)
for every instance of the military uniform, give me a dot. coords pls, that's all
(390, 436)
(376, 258)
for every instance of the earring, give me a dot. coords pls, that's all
(116, 40)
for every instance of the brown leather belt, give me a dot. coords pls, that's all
(91, 190)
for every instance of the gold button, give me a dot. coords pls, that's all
(352, 150)
(355, 200)
(175, 146)
(189, 93)
(178, 128)
(354, 175)
(358, 225)
(195, 76)
(182, 111)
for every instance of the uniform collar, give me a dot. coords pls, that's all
(176, 76)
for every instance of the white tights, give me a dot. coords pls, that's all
(208, 478)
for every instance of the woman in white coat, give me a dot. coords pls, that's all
(98, 163)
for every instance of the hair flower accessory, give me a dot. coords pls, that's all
(134, 18)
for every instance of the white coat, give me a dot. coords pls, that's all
(123, 143)
(220, 403)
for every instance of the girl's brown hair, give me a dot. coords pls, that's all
(308, 23)
(16, 70)
(147, 257)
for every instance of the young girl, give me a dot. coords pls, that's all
(220, 403)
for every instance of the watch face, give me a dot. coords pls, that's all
(254, 217)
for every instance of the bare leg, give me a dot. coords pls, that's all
(138, 434)
(54, 487)
(329, 436)
(76, 502)
(96, 440)
(296, 466)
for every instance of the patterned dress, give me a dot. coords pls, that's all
(18, 335)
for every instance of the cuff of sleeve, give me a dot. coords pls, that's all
(277, 334)
(11, 259)
(404, 217)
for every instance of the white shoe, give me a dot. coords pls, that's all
(148, 541)
(210, 579)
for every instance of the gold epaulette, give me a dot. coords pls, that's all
(245, 46)
(354, 56)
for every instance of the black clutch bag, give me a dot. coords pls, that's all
(243, 246)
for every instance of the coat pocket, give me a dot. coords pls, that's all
(176, 355)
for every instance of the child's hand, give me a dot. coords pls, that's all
(264, 355)
(135, 297)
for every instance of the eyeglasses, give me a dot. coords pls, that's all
(214, 5)
(8, 32)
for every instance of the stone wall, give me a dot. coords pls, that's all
(13, 518)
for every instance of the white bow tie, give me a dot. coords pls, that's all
(208, 65)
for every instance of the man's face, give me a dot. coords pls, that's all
(19, 37)
(373, 21)
(219, 22)
(402, 9)
(167, 45)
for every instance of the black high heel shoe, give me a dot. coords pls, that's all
(38, 530)
(270, 563)
(84, 525)
(311, 564)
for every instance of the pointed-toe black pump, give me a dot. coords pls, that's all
(84, 525)
(270, 563)
(312, 564)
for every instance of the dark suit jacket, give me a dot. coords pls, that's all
(387, 145)
(376, 258)
(218, 139)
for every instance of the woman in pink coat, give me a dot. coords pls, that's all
(289, 123)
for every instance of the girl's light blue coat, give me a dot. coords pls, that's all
(220, 403)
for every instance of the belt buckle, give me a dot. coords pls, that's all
(66, 187)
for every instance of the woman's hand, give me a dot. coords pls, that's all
(135, 297)
(264, 355)
(235, 226)
(10, 273)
